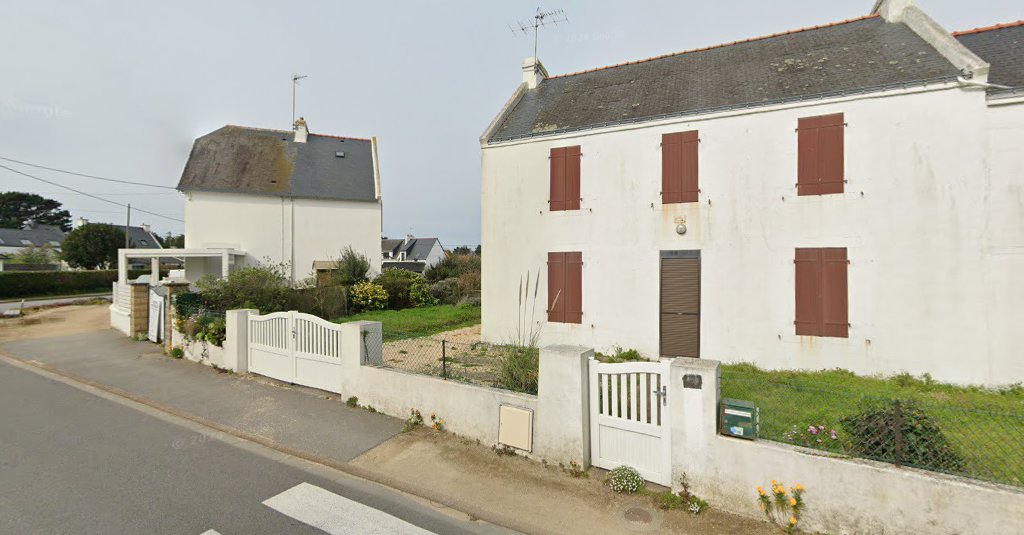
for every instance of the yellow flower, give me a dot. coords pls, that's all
(792, 521)
(792, 501)
(774, 483)
(798, 487)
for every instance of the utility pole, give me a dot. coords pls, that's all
(295, 82)
(127, 223)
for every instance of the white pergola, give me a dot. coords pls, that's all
(225, 256)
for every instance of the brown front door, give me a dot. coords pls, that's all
(680, 304)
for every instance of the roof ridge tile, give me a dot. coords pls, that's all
(989, 28)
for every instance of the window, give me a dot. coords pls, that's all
(565, 179)
(820, 164)
(821, 292)
(565, 287)
(679, 167)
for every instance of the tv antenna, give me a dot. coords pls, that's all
(541, 19)
(295, 82)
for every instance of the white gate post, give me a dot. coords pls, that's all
(694, 401)
(236, 339)
(562, 428)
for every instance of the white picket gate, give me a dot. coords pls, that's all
(629, 418)
(297, 348)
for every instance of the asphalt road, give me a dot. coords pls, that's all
(74, 460)
(11, 305)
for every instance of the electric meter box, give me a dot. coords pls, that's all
(739, 419)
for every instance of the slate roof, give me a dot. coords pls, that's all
(1002, 46)
(858, 55)
(416, 249)
(39, 236)
(238, 159)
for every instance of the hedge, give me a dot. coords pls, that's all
(43, 283)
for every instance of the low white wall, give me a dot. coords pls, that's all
(120, 320)
(843, 495)
(204, 352)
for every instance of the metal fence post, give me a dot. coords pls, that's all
(444, 359)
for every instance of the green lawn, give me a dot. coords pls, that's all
(417, 322)
(985, 427)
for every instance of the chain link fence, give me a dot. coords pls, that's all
(507, 367)
(926, 430)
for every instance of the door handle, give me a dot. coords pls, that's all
(662, 393)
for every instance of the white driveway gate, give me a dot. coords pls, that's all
(297, 348)
(629, 418)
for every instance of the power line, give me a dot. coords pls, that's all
(87, 194)
(37, 166)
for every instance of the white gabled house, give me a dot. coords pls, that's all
(255, 195)
(411, 253)
(843, 196)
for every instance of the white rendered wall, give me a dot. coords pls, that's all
(296, 231)
(932, 218)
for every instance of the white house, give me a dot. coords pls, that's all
(848, 195)
(413, 254)
(280, 197)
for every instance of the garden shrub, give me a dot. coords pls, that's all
(446, 291)
(419, 294)
(452, 266)
(619, 355)
(625, 479)
(900, 432)
(323, 301)
(263, 287)
(469, 283)
(368, 296)
(351, 268)
(520, 369)
(398, 284)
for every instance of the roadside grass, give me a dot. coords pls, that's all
(418, 322)
(985, 426)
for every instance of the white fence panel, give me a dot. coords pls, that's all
(297, 348)
(629, 420)
(122, 297)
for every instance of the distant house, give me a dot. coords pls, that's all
(412, 254)
(14, 241)
(140, 237)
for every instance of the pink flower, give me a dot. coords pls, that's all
(834, 436)
(812, 430)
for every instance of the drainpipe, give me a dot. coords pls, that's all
(965, 81)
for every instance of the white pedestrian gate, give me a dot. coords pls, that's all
(297, 348)
(156, 316)
(629, 418)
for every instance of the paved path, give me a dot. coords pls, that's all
(11, 305)
(76, 460)
(281, 414)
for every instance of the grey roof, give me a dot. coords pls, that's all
(140, 239)
(415, 248)
(846, 57)
(1003, 48)
(38, 236)
(238, 159)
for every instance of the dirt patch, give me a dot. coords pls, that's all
(457, 354)
(474, 476)
(44, 323)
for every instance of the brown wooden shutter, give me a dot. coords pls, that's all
(679, 169)
(557, 196)
(572, 178)
(556, 287)
(573, 287)
(820, 155)
(835, 319)
(808, 292)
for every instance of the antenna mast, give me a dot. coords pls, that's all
(541, 19)
(295, 82)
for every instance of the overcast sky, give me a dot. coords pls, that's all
(120, 89)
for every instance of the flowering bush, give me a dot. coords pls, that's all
(815, 436)
(368, 296)
(780, 507)
(625, 479)
(436, 423)
(419, 294)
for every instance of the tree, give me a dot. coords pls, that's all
(351, 268)
(93, 246)
(17, 208)
(34, 255)
(171, 241)
(477, 250)
(462, 250)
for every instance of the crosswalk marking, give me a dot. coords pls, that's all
(210, 532)
(337, 515)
